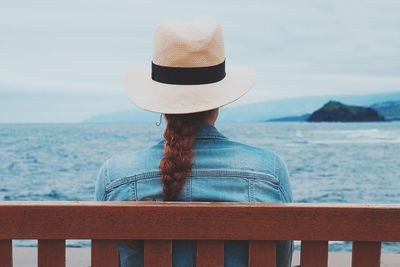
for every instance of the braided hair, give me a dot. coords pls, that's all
(176, 164)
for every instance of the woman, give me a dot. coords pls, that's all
(194, 161)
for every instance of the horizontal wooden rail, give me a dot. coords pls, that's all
(198, 221)
(209, 223)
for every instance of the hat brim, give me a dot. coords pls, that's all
(178, 99)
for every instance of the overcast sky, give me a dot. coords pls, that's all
(297, 47)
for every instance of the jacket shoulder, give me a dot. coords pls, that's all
(262, 159)
(132, 163)
(271, 164)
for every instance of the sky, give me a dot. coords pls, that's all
(298, 48)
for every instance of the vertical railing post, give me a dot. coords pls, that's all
(104, 253)
(51, 253)
(157, 253)
(210, 253)
(262, 253)
(314, 254)
(6, 253)
(366, 254)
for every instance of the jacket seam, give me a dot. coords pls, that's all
(106, 183)
(204, 137)
(134, 190)
(281, 189)
(200, 173)
(283, 193)
(191, 190)
(211, 137)
(251, 189)
(188, 189)
(276, 171)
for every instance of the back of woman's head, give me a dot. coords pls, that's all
(176, 164)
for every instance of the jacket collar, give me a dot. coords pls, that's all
(206, 131)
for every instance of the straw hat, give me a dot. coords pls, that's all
(187, 72)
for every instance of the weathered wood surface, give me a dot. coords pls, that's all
(104, 253)
(6, 253)
(198, 221)
(366, 254)
(210, 253)
(51, 253)
(314, 254)
(157, 253)
(262, 253)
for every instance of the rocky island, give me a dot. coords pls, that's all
(334, 111)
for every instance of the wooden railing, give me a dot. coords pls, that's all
(157, 223)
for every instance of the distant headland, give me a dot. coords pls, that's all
(334, 111)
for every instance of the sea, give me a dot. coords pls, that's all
(327, 162)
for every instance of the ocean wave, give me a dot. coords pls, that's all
(356, 141)
(52, 195)
(372, 135)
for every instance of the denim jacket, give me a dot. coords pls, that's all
(223, 170)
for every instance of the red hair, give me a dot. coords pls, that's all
(176, 164)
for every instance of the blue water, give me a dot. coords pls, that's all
(340, 163)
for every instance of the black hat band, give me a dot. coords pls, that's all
(188, 76)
